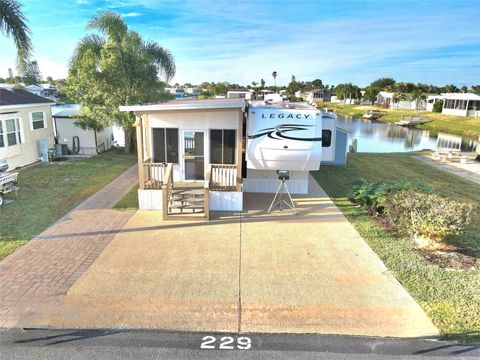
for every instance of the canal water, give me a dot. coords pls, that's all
(373, 136)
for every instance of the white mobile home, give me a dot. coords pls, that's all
(201, 155)
(26, 127)
(461, 104)
(385, 98)
(239, 94)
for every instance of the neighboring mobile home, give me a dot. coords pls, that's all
(90, 142)
(461, 104)
(200, 155)
(312, 96)
(26, 127)
(385, 98)
(239, 94)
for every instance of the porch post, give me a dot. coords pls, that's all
(146, 125)
(239, 150)
(138, 131)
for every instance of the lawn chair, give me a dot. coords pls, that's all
(8, 181)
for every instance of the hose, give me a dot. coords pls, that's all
(76, 145)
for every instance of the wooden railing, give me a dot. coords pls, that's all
(153, 175)
(206, 190)
(167, 188)
(223, 177)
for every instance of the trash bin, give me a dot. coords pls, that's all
(64, 149)
(58, 149)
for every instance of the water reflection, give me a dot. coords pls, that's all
(377, 137)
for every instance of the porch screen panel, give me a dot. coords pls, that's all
(215, 146)
(172, 145)
(229, 141)
(159, 146)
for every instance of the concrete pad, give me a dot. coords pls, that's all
(308, 272)
(469, 171)
(312, 273)
(155, 274)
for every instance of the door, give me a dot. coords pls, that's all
(194, 155)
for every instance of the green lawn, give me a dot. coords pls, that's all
(129, 201)
(49, 191)
(468, 126)
(451, 299)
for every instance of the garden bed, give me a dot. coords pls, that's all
(450, 298)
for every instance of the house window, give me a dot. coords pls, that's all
(326, 138)
(37, 119)
(14, 135)
(222, 146)
(165, 145)
(2, 141)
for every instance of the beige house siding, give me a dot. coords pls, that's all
(26, 152)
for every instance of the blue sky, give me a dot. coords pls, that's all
(434, 42)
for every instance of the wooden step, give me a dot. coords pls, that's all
(193, 200)
(186, 206)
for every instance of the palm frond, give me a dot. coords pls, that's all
(90, 42)
(109, 23)
(162, 58)
(14, 23)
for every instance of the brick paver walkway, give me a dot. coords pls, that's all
(46, 267)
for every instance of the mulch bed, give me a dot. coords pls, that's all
(446, 256)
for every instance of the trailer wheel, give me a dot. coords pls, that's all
(1, 199)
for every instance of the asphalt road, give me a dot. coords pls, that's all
(131, 344)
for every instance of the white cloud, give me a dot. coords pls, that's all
(131, 14)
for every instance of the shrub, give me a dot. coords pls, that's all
(438, 106)
(413, 213)
(373, 196)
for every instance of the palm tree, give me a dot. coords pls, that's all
(417, 96)
(129, 70)
(274, 74)
(115, 31)
(397, 97)
(13, 23)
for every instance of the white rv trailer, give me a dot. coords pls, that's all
(221, 148)
(286, 136)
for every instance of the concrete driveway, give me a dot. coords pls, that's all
(308, 272)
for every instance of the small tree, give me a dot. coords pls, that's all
(383, 83)
(397, 97)
(371, 93)
(417, 96)
(274, 74)
(32, 73)
(317, 83)
(438, 106)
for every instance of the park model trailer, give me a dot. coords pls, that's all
(197, 156)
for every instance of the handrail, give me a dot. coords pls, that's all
(223, 177)
(153, 174)
(206, 190)
(166, 187)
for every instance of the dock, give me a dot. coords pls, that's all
(374, 114)
(410, 121)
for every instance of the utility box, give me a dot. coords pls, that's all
(43, 150)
